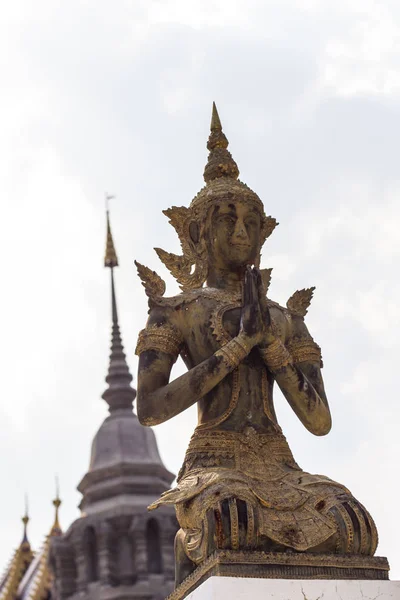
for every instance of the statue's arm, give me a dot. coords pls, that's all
(300, 380)
(303, 388)
(160, 399)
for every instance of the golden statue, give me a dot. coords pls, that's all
(239, 488)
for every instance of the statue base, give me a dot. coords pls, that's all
(218, 588)
(283, 565)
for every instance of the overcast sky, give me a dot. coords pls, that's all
(99, 96)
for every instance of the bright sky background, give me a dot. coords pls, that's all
(99, 96)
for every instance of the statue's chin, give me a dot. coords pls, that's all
(240, 257)
(239, 267)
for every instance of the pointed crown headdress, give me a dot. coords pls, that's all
(222, 184)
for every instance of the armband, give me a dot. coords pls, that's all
(305, 350)
(165, 338)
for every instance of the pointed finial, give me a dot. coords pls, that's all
(220, 162)
(25, 520)
(215, 120)
(56, 529)
(110, 258)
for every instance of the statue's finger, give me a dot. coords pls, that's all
(246, 288)
(260, 287)
(262, 298)
(261, 293)
(249, 286)
(253, 288)
(251, 297)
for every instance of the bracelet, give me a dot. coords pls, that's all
(276, 355)
(234, 351)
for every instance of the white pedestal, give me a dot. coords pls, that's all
(236, 588)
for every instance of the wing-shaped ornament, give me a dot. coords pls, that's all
(300, 301)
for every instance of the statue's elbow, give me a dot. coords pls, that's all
(323, 427)
(144, 417)
(144, 420)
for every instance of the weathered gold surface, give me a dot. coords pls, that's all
(276, 355)
(165, 338)
(300, 301)
(304, 350)
(153, 285)
(240, 487)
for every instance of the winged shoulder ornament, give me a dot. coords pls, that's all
(153, 285)
(300, 301)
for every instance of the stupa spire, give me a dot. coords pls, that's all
(119, 394)
(220, 162)
(110, 257)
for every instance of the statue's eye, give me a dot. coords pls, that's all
(228, 219)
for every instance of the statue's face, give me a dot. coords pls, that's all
(234, 235)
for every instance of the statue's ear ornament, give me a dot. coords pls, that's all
(190, 268)
(268, 226)
(153, 285)
(179, 217)
(300, 301)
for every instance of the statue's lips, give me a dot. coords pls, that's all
(241, 246)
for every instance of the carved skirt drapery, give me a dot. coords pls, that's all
(267, 496)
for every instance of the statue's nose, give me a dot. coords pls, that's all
(240, 230)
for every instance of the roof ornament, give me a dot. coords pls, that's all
(19, 564)
(25, 520)
(110, 257)
(56, 529)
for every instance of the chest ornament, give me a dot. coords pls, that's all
(216, 321)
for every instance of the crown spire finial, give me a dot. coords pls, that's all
(215, 120)
(220, 162)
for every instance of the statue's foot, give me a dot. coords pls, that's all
(234, 524)
(230, 525)
(356, 529)
(183, 565)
